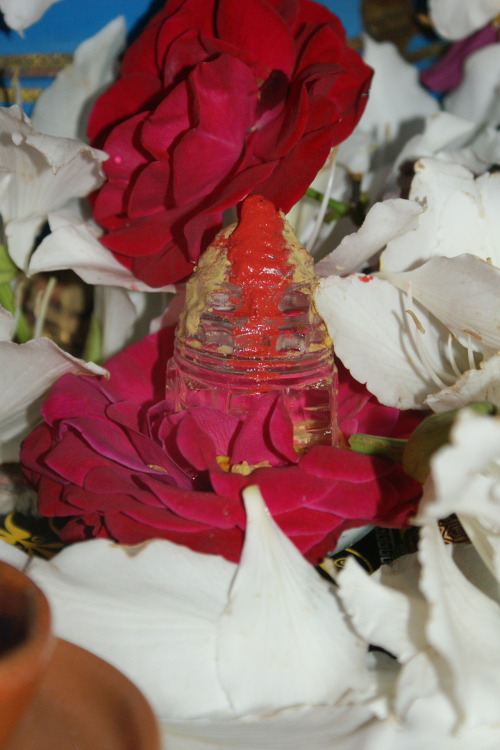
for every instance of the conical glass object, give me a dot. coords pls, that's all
(249, 326)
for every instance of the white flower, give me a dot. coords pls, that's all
(44, 173)
(18, 14)
(264, 654)
(431, 313)
(255, 655)
(397, 104)
(397, 107)
(123, 305)
(62, 108)
(466, 481)
(459, 216)
(439, 612)
(73, 243)
(27, 372)
(477, 94)
(450, 138)
(455, 19)
(482, 384)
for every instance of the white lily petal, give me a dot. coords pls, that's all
(314, 728)
(463, 627)
(461, 292)
(455, 19)
(20, 235)
(76, 246)
(385, 612)
(354, 153)
(443, 131)
(28, 371)
(480, 155)
(19, 14)
(150, 610)
(5, 178)
(446, 137)
(12, 555)
(473, 567)
(284, 627)
(474, 446)
(116, 313)
(61, 152)
(473, 385)
(63, 107)
(366, 319)
(422, 703)
(466, 480)
(459, 216)
(7, 325)
(476, 96)
(396, 96)
(45, 171)
(385, 221)
(74, 212)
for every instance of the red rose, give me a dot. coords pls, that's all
(114, 461)
(218, 99)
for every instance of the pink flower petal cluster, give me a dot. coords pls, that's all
(218, 99)
(112, 460)
(447, 72)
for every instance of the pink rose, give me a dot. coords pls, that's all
(218, 99)
(112, 460)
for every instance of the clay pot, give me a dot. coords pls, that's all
(56, 695)
(26, 644)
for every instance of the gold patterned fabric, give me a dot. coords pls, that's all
(33, 535)
(20, 74)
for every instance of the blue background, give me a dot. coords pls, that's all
(68, 22)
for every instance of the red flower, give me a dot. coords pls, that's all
(114, 461)
(218, 99)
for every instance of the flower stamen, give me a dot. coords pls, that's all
(437, 375)
(451, 356)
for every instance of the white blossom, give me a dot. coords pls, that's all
(44, 173)
(438, 611)
(229, 656)
(62, 108)
(27, 372)
(19, 14)
(430, 314)
(455, 19)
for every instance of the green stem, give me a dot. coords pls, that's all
(44, 305)
(356, 208)
(23, 329)
(23, 332)
(336, 209)
(374, 445)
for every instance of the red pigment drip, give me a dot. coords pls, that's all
(259, 263)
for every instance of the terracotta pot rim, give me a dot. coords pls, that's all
(38, 644)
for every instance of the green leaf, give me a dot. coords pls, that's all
(7, 297)
(8, 269)
(432, 433)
